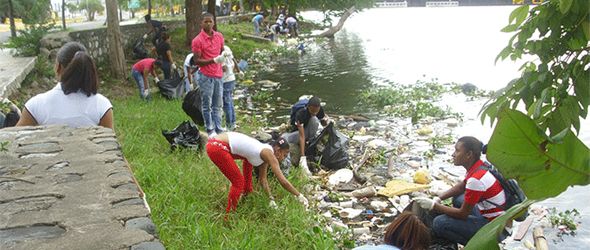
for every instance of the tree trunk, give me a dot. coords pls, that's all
(120, 13)
(132, 14)
(11, 19)
(332, 30)
(171, 7)
(115, 49)
(150, 7)
(211, 9)
(241, 7)
(63, 14)
(193, 12)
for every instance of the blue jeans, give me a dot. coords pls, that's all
(139, 81)
(256, 28)
(166, 67)
(211, 101)
(457, 230)
(228, 104)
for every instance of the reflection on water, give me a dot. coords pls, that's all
(401, 46)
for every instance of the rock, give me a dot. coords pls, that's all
(361, 230)
(142, 223)
(262, 136)
(364, 192)
(414, 164)
(378, 205)
(468, 88)
(44, 52)
(350, 213)
(342, 175)
(149, 246)
(451, 122)
(378, 143)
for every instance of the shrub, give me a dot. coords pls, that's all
(27, 42)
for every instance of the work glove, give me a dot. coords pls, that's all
(146, 92)
(219, 59)
(425, 203)
(273, 204)
(226, 53)
(156, 79)
(240, 74)
(174, 66)
(144, 36)
(303, 164)
(437, 200)
(303, 200)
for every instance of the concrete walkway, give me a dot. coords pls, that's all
(13, 71)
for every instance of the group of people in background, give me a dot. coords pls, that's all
(284, 25)
(75, 102)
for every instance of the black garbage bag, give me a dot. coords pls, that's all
(185, 135)
(139, 50)
(332, 146)
(192, 106)
(173, 87)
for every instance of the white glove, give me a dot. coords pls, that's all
(219, 58)
(303, 164)
(156, 79)
(146, 92)
(174, 66)
(273, 204)
(144, 36)
(425, 203)
(437, 200)
(226, 53)
(303, 200)
(241, 74)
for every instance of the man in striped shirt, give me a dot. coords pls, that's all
(478, 199)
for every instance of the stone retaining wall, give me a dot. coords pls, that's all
(96, 39)
(65, 188)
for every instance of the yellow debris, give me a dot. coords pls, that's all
(399, 187)
(426, 130)
(422, 177)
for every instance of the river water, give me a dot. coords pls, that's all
(403, 45)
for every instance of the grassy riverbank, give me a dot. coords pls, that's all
(188, 194)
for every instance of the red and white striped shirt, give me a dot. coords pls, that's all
(481, 186)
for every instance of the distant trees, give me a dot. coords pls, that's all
(92, 7)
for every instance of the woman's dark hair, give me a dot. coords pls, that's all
(407, 232)
(147, 17)
(280, 143)
(472, 144)
(78, 72)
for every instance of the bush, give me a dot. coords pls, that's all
(27, 42)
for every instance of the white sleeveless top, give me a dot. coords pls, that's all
(74, 110)
(246, 147)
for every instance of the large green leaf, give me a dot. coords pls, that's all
(486, 237)
(523, 152)
(564, 6)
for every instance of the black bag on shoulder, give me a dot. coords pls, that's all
(332, 146)
(513, 192)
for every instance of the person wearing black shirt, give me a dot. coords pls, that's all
(156, 27)
(305, 126)
(164, 52)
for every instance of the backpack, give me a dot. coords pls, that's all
(296, 107)
(513, 192)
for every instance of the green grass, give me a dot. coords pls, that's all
(188, 194)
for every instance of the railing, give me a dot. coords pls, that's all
(403, 4)
(442, 4)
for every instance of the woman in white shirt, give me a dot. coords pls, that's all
(74, 101)
(223, 149)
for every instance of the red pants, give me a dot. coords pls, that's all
(219, 153)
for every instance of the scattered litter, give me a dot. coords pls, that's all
(342, 175)
(397, 187)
